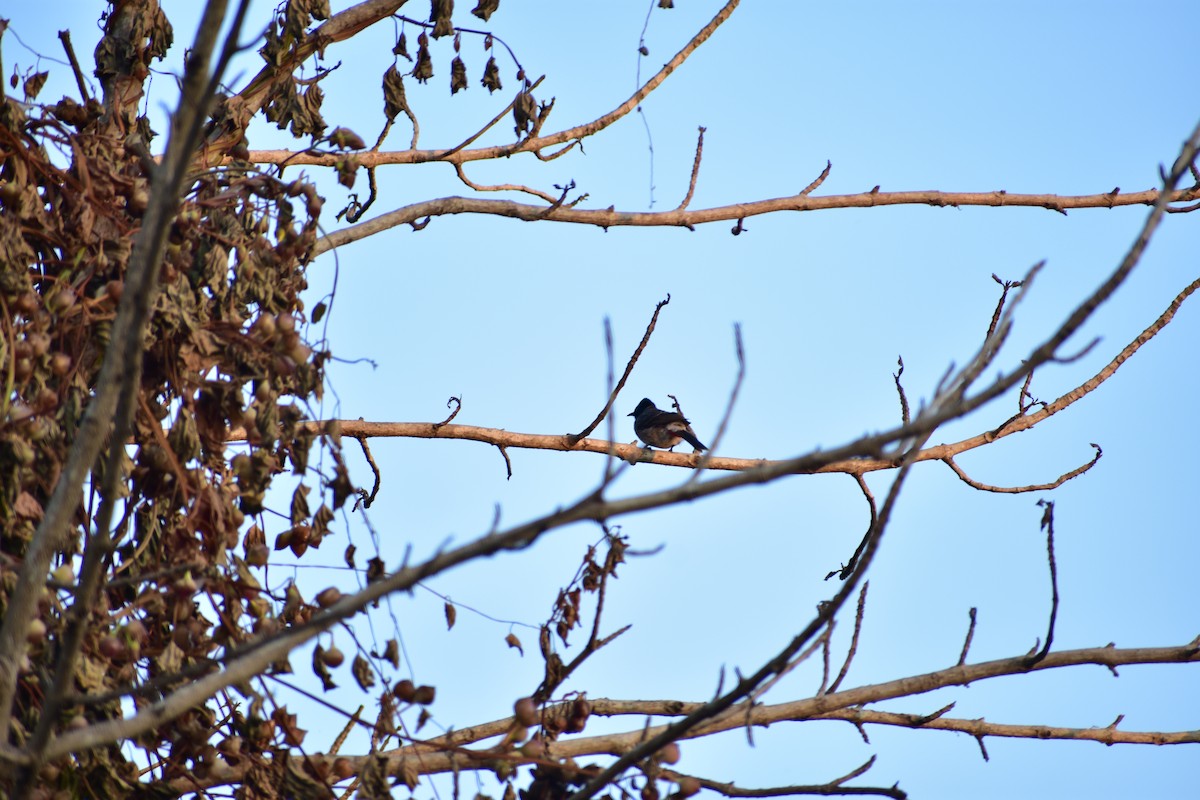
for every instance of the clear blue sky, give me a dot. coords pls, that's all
(1067, 98)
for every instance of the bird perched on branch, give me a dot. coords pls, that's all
(659, 428)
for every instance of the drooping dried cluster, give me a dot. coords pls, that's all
(225, 351)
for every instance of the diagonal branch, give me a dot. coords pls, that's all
(574, 440)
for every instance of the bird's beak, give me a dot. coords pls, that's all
(631, 414)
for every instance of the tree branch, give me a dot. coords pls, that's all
(432, 756)
(1108, 735)
(851, 465)
(611, 218)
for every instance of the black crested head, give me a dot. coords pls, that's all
(642, 406)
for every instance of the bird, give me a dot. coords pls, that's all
(659, 428)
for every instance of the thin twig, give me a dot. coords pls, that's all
(456, 404)
(504, 112)
(1036, 487)
(962, 658)
(65, 38)
(904, 413)
(575, 438)
(366, 501)
(687, 199)
(740, 353)
(1108, 735)
(506, 187)
(858, 618)
(833, 788)
(1048, 527)
(817, 181)
(848, 568)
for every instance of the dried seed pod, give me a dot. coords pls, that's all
(405, 691)
(35, 633)
(328, 597)
(343, 768)
(333, 657)
(526, 712)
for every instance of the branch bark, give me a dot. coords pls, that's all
(611, 218)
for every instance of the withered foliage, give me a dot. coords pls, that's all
(225, 350)
(227, 358)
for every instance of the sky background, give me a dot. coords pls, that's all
(1067, 98)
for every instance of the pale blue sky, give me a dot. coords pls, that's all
(1068, 97)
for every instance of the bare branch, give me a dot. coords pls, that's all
(833, 788)
(504, 187)
(576, 440)
(1037, 487)
(687, 199)
(966, 648)
(366, 448)
(851, 464)
(845, 705)
(611, 218)
(65, 38)
(1048, 526)
(858, 618)
(1109, 735)
(904, 412)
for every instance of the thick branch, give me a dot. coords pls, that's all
(434, 756)
(829, 705)
(610, 218)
